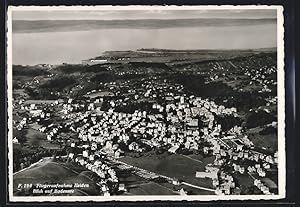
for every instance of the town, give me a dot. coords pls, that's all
(186, 128)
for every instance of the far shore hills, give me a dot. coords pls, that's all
(35, 26)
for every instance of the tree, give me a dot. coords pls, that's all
(259, 118)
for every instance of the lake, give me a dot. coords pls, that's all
(74, 46)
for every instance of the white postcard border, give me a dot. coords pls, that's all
(280, 95)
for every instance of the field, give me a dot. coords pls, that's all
(99, 94)
(175, 166)
(18, 149)
(150, 188)
(49, 172)
(40, 101)
(19, 93)
(136, 185)
(246, 183)
(38, 139)
(268, 142)
(130, 179)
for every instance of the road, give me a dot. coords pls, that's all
(198, 187)
(233, 65)
(191, 158)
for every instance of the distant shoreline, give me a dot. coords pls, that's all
(160, 51)
(39, 26)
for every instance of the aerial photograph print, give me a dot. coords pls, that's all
(140, 103)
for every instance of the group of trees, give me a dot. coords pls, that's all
(197, 85)
(218, 91)
(22, 160)
(259, 118)
(268, 130)
(50, 89)
(106, 77)
(244, 100)
(227, 122)
(59, 83)
(28, 71)
(72, 68)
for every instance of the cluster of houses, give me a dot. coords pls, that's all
(226, 184)
(35, 81)
(271, 101)
(106, 176)
(180, 128)
(21, 124)
(223, 182)
(263, 188)
(175, 120)
(52, 133)
(260, 73)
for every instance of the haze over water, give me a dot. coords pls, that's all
(55, 46)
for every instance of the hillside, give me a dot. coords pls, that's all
(50, 172)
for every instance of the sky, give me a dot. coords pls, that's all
(141, 14)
